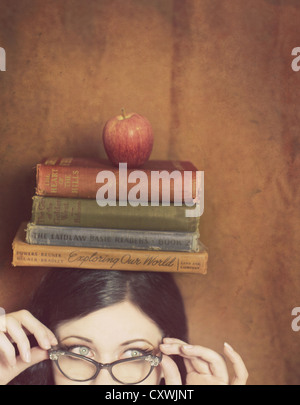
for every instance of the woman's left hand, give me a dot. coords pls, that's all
(203, 366)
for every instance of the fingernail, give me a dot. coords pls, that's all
(228, 347)
(187, 347)
(27, 356)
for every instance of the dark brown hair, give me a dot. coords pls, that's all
(66, 294)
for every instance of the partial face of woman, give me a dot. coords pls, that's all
(118, 332)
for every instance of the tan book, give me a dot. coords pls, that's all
(25, 254)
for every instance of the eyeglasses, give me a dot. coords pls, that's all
(126, 371)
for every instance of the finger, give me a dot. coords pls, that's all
(216, 363)
(197, 365)
(241, 373)
(37, 355)
(168, 340)
(191, 363)
(43, 335)
(17, 334)
(170, 371)
(173, 344)
(7, 351)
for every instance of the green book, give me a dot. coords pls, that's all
(87, 213)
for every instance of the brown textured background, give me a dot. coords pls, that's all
(214, 78)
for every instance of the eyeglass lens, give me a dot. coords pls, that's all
(132, 371)
(76, 368)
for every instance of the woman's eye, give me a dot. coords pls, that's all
(133, 353)
(82, 350)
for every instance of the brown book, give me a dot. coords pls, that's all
(25, 254)
(76, 177)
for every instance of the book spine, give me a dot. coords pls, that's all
(87, 213)
(66, 181)
(59, 180)
(111, 238)
(25, 254)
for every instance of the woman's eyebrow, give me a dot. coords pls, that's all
(78, 337)
(128, 342)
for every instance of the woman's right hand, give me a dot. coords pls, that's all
(14, 328)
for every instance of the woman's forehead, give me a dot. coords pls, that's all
(112, 326)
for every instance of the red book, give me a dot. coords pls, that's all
(156, 180)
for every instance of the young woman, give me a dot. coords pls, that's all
(107, 327)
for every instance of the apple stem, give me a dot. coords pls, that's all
(123, 113)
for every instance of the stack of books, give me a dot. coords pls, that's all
(89, 214)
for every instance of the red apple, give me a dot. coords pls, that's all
(128, 138)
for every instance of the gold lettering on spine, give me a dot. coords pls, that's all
(75, 181)
(54, 181)
(47, 180)
(67, 181)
